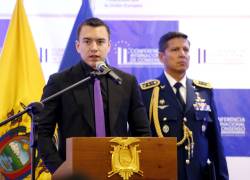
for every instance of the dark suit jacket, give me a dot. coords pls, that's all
(202, 122)
(73, 112)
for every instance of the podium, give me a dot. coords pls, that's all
(92, 157)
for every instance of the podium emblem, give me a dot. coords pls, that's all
(125, 157)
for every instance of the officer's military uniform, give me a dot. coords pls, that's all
(196, 128)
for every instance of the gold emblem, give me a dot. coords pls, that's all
(125, 157)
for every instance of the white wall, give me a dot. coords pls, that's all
(222, 27)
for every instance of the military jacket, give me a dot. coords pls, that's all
(201, 154)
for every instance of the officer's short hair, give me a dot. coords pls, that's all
(168, 36)
(93, 22)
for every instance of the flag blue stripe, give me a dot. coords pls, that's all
(70, 56)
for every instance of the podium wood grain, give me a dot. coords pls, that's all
(91, 156)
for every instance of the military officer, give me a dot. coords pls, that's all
(184, 108)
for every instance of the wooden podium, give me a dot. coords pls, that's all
(92, 157)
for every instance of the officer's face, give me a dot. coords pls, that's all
(93, 44)
(176, 56)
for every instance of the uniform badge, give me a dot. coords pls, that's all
(165, 129)
(198, 98)
(125, 157)
(149, 84)
(162, 104)
(200, 103)
(162, 86)
(162, 107)
(202, 84)
(203, 127)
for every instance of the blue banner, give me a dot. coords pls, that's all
(233, 111)
(135, 46)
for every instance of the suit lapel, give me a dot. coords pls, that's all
(114, 93)
(83, 96)
(190, 94)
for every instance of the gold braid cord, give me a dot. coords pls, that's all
(153, 111)
(187, 135)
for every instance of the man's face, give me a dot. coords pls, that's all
(176, 56)
(93, 44)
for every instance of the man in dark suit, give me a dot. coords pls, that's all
(74, 111)
(184, 108)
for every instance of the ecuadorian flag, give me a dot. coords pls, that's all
(21, 82)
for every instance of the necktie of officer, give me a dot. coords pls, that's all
(178, 95)
(99, 111)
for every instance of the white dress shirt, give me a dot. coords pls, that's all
(183, 88)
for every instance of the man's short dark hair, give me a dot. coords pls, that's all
(168, 36)
(93, 22)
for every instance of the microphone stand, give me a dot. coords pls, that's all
(36, 107)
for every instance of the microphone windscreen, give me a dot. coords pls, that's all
(101, 66)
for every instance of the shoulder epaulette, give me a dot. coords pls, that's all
(202, 84)
(149, 84)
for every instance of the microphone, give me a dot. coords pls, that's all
(103, 68)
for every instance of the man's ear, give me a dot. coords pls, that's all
(77, 44)
(161, 56)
